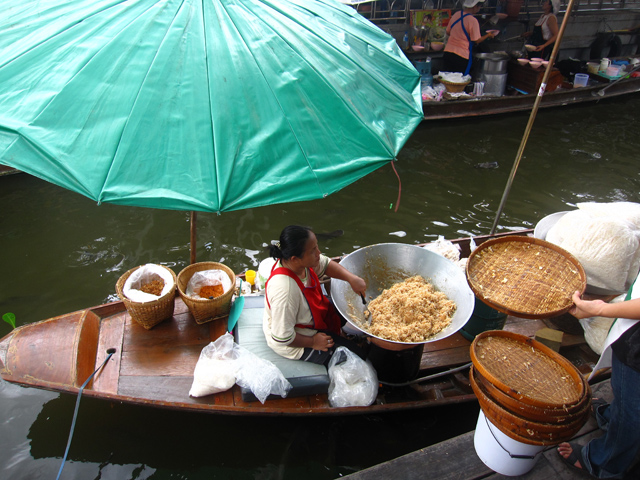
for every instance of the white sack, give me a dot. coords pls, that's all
(627, 211)
(607, 248)
(596, 329)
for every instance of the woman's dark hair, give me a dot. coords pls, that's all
(292, 242)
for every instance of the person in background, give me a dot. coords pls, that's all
(300, 322)
(545, 31)
(464, 33)
(610, 455)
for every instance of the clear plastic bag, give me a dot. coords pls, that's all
(216, 368)
(224, 363)
(354, 382)
(260, 376)
(444, 248)
(205, 278)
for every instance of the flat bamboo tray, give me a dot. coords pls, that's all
(557, 416)
(529, 371)
(523, 429)
(525, 277)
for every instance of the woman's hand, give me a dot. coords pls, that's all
(358, 285)
(322, 342)
(335, 270)
(539, 48)
(585, 308)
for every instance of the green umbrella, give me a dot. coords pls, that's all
(200, 105)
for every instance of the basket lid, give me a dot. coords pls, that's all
(527, 370)
(525, 277)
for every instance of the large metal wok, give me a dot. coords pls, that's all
(385, 264)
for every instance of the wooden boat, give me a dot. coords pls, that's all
(155, 367)
(524, 103)
(5, 170)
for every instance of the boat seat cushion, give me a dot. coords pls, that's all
(305, 378)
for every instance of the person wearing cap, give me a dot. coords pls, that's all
(464, 32)
(300, 322)
(545, 31)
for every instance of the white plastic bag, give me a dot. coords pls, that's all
(354, 382)
(224, 363)
(143, 275)
(260, 376)
(216, 368)
(444, 248)
(207, 277)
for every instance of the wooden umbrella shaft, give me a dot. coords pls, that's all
(194, 218)
(532, 117)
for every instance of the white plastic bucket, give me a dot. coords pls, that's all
(501, 453)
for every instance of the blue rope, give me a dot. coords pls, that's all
(111, 351)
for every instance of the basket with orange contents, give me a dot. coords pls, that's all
(207, 289)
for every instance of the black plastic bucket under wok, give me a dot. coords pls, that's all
(396, 366)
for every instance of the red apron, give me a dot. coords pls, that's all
(323, 312)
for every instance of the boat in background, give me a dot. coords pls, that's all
(476, 107)
(155, 367)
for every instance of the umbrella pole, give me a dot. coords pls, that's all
(532, 117)
(194, 217)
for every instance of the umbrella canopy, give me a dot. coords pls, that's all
(203, 105)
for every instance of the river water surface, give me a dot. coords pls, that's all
(61, 252)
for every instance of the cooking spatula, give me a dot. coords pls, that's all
(366, 317)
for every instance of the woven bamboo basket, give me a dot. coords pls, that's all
(525, 277)
(148, 314)
(523, 429)
(203, 309)
(454, 87)
(557, 416)
(528, 371)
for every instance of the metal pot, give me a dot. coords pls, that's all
(385, 264)
(490, 63)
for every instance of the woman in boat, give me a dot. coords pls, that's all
(300, 322)
(545, 31)
(464, 33)
(611, 455)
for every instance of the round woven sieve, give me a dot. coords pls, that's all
(525, 277)
(528, 371)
